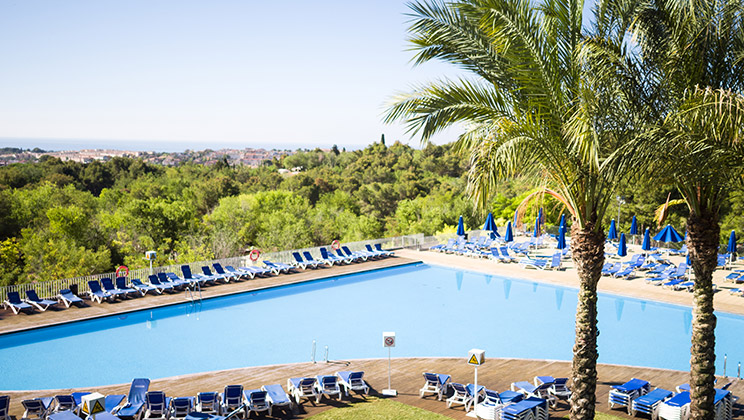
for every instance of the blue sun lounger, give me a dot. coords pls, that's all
(623, 395)
(541, 391)
(333, 258)
(493, 402)
(283, 268)
(352, 381)
(530, 408)
(136, 399)
(259, 271)
(256, 401)
(68, 298)
(40, 304)
(436, 383)
(162, 287)
(166, 281)
(232, 398)
(4, 407)
(677, 407)
(302, 264)
(173, 279)
(37, 408)
(352, 257)
(463, 394)
(96, 293)
(108, 287)
(64, 402)
(15, 304)
(327, 386)
(385, 252)
(239, 272)
(156, 405)
(309, 258)
(180, 407)
(121, 284)
(649, 403)
(222, 272)
(213, 276)
(381, 254)
(301, 388)
(278, 398)
(188, 275)
(144, 288)
(208, 403)
(62, 415)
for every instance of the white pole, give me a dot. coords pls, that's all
(389, 375)
(475, 390)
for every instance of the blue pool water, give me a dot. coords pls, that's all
(435, 311)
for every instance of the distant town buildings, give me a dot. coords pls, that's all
(248, 156)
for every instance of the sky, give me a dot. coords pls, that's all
(178, 74)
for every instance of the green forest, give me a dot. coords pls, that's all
(64, 219)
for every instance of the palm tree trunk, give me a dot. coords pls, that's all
(702, 241)
(587, 249)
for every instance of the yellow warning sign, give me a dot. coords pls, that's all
(474, 360)
(85, 408)
(97, 407)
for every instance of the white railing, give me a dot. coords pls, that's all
(51, 288)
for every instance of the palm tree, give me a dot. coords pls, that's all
(532, 102)
(694, 54)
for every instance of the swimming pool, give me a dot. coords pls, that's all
(435, 311)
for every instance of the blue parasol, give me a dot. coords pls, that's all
(646, 245)
(622, 248)
(460, 227)
(562, 224)
(537, 228)
(516, 218)
(732, 243)
(490, 226)
(562, 237)
(668, 234)
(612, 233)
(634, 226)
(509, 235)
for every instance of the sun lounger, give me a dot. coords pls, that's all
(440, 247)
(541, 391)
(213, 276)
(260, 271)
(37, 408)
(649, 403)
(221, 271)
(242, 273)
(327, 386)
(623, 395)
(382, 254)
(157, 406)
(300, 263)
(256, 401)
(113, 402)
(537, 263)
(364, 255)
(40, 304)
(460, 395)
(309, 258)
(278, 398)
(675, 408)
(283, 268)
(179, 282)
(530, 408)
(135, 400)
(493, 402)
(163, 287)
(301, 388)
(166, 281)
(15, 303)
(145, 288)
(181, 407)
(385, 252)
(121, 284)
(208, 402)
(625, 273)
(333, 258)
(558, 388)
(353, 257)
(63, 415)
(232, 398)
(436, 383)
(108, 287)
(4, 407)
(505, 254)
(96, 293)
(64, 402)
(352, 381)
(68, 299)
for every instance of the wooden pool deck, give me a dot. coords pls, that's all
(60, 315)
(407, 379)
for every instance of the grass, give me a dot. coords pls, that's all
(387, 409)
(378, 409)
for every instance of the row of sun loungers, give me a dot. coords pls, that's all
(636, 396)
(525, 400)
(109, 290)
(233, 402)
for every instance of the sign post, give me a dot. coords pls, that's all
(93, 404)
(476, 357)
(388, 340)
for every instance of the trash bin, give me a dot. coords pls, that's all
(74, 289)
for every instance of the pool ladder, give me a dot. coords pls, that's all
(191, 293)
(312, 353)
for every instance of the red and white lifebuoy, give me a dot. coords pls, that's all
(336, 244)
(122, 271)
(254, 254)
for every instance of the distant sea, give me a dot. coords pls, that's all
(152, 145)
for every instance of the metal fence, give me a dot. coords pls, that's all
(51, 288)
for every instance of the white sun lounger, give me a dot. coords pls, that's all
(301, 388)
(352, 381)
